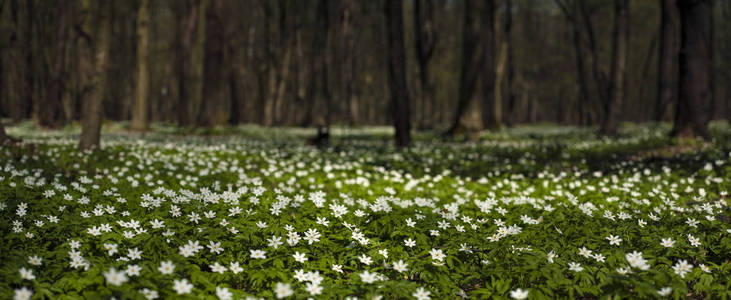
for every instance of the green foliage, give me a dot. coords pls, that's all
(515, 211)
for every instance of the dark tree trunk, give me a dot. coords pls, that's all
(491, 110)
(510, 78)
(667, 65)
(600, 80)
(620, 36)
(570, 12)
(468, 118)
(91, 122)
(691, 117)
(425, 41)
(397, 72)
(215, 69)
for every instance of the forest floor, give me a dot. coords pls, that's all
(536, 212)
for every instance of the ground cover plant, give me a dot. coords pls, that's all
(525, 213)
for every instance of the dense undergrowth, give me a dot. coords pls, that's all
(540, 212)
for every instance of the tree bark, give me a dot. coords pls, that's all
(667, 65)
(140, 121)
(691, 117)
(468, 118)
(92, 116)
(397, 72)
(620, 36)
(425, 42)
(510, 63)
(192, 55)
(491, 108)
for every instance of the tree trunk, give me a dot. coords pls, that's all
(425, 42)
(192, 56)
(349, 63)
(667, 67)
(600, 80)
(491, 108)
(140, 109)
(92, 116)
(397, 72)
(571, 15)
(510, 79)
(620, 36)
(694, 62)
(215, 69)
(468, 118)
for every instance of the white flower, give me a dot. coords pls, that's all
(275, 241)
(368, 277)
(27, 274)
(576, 267)
(133, 270)
(337, 268)
(283, 290)
(182, 286)
(149, 294)
(437, 254)
(218, 268)
(614, 240)
(258, 254)
(22, 294)
(585, 252)
(636, 260)
(313, 289)
(682, 267)
(705, 268)
(215, 247)
(115, 277)
(400, 266)
(550, 256)
(694, 240)
(35, 260)
(410, 243)
(299, 257)
(166, 267)
(665, 291)
(223, 293)
(134, 253)
(383, 252)
(421, 294)
(365, 259)
(235, 268)
(519, 294)
(667, 243)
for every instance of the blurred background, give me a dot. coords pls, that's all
(309, 63)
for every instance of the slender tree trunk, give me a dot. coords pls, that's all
(693, 86)
(192, 52)
(215, 69)
(349, 62)
(600, 80)
(91, 122)
(510, 79)
(620, 36)
(141, 107)
(425, 42)
(468, 118)
(397, 72)
(491, 108)
(667, 65)
(585, 115)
